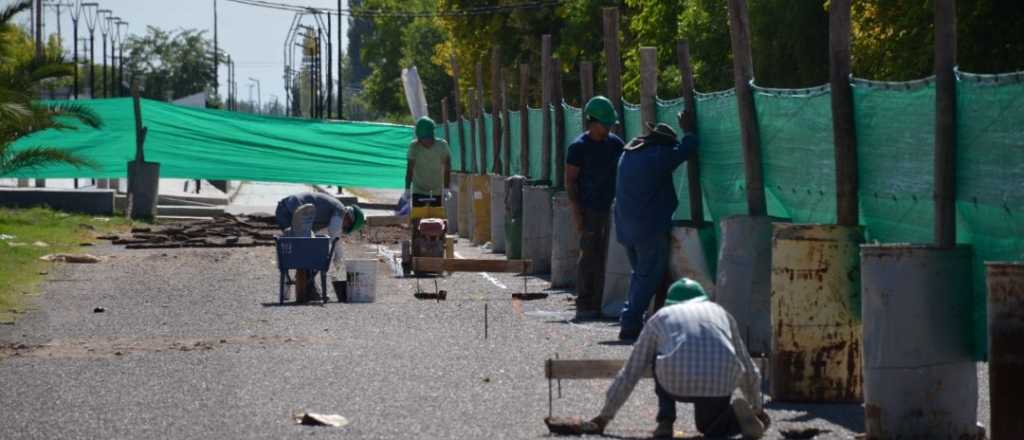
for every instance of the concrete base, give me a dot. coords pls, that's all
(481, 209)
(744, 278)
(497, 214)
(465, 205)
(86, 201)
(514, 217)
(143, 187)
(616, 276)
(536, 241)
(920, 378)
(687, 256)
(565, 247)
(451, 207)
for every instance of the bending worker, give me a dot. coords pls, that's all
(645, 199)
(590, 182)
(698, 356)
(428, 169)
(299, 215)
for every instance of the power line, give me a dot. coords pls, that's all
(481, 10)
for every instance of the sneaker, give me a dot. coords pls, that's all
(664, 430)
(750, 424)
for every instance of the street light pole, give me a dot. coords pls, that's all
(259, 95)
(76, 14)
(90, 10)
(341, 66)
(104, 23)
(120, 47)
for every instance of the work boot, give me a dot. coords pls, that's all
(586, 315)
(664, 430)
(750, 425)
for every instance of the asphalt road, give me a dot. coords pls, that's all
(192, 345)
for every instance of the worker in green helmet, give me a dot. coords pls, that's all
(428, 170)
(698, 356)
(590, 166)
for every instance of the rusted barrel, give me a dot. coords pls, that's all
(1005, 350)
(536, 242)
(481, 209)
(497, 214)
(688, 256)
(565, 242)
(465, 205)
(744, 277)
(920, 380)
(816, 340)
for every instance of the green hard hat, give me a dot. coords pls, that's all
(684, 290)
(425, 128)
(358, 219)
(601, 108)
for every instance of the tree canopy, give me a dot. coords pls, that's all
(171, 64)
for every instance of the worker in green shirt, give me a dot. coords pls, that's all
(429, 166)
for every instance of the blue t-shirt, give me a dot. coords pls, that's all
(597, 162)
(645, 196)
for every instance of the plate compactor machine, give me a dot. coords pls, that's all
(429, 232)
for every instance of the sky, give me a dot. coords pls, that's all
(253, 36)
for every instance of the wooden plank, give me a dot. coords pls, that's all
(692, 165)
(496, 167)
(613, 60)
(587, 368)
(545, 105)
(648, 86)
(471, 143)
(743, 73)
(458, 114)
(430, 264)
(385, 220)
(843, 132)
(586, 86)
(482, 130)
(945, 123)
(559, 137)
(524, 119)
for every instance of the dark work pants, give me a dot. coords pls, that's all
(590, 265)
(649, 261)
(713, 416)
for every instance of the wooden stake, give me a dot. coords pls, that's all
(586, 368)
(586, 86)
(480, 114)
(506, 138)
(692, 165)
(945, 123)
(743, 73)
(558, 143)
(545, 105)
(444, 120)
(458, 114)
(524, 119)
(648, 86)
(471, 117)
(843, 133)
(496, 110)
(140, 131)
(614, 61)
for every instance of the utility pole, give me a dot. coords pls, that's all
(120, 47)
(104, 23)
(91, 15)
(341, 66)
(76, 14)
(216, 53)
(330, 68)
(111, 92)
(37, 10)
(259, 95)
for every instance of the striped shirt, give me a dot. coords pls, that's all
(697, 352)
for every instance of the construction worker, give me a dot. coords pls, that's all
(428, 170)
(590, 183)
(698, 356)
(645, 200)
(299, 215)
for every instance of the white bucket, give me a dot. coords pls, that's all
(362, 281)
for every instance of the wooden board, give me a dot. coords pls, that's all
(428, 264)
(586, 368)
(385, 220)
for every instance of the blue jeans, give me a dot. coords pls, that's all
(649, 261)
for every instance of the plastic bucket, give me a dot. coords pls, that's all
(362, 281)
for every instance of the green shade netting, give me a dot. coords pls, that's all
(665, 112)
(456, 148)
(214, 144)
(632, 121)
(536, 121)
(573, 126)
(515, 143)
(488, 135)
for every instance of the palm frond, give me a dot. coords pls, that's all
(8, 13)
(76, 111)
(10, 111)
(50, 70)
(37, 157)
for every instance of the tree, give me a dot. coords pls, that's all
(171, 64)
(21, 79)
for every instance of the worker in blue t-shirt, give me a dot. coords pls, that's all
(645, 199)
(590, 182)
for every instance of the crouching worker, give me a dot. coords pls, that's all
(695, 349)
(299, 215)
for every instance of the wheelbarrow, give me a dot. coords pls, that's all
(312, 254)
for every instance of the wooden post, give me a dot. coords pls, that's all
(524, 119)
(558, 143)
(458, 114)
(496, 110)
(480, 114)
(545, 104)
(506, 138)
(614, 62)
(586, 87)
(648, 86)
(692, 165)
(843, 134)
(945, 123)
(743, 73)
(140, 130)
(444, 121)
(471, 117)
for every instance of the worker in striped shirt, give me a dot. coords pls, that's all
(698, 357)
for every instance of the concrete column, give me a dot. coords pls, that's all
(514, 217)
(143, 188)
(536, 241)
(565, 243)
(744, 278)
(497, 214)
(616, 276)
(481, 209)
(465, 205)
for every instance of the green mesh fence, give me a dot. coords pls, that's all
(721, 155)
(632, 122)
(489, 141)
(453, 144)
(536, 121)
(515, 143)
(665, 112)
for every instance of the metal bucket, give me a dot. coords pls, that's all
(688, 259)
(498, 214)
(565, 242)
(465, 205)
(481, 209)
(744, 278)
(816, 345)
(536, 240)
(1005, 351)
(616, 276)
(514, 217)
(920, 380)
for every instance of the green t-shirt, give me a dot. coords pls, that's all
(428, 173)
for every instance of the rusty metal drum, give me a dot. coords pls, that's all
(816, 334)
(1005, 350)
(920, 379)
